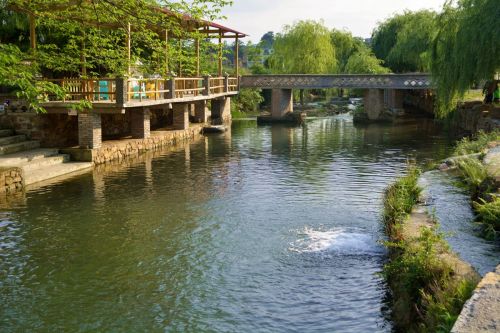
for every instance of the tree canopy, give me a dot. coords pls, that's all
(404, 40)
(303, 48)
(466, 49)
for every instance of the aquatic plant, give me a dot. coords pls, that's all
(473, 173)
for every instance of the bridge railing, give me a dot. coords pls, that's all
(147, 89)
(94, 90)
(121, 91)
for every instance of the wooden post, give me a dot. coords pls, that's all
(166, 51)
(237, 57)
(220, 53)
(32, 31)
(129, 53)
(180, 57)
(197, 46)
(83, 58)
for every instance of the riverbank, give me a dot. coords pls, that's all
(477, 162)
(429, 282)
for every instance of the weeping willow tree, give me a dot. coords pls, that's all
(466, 49)
(303, 48)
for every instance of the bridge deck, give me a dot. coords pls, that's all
(352, 81)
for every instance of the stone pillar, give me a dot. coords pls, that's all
(89, 130)
(140, 123)
(181, 116)
(281, 103)
(374, 103)
(394, 98)
(201, 112)
(221, 110)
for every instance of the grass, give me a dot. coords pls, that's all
(241, 115)
(489, 217)
(476, 144)
(473, 174)
(399, 201)
(428, 293)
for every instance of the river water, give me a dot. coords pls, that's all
(263, 229)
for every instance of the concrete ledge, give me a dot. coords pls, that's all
(481, 313)
(119, 149)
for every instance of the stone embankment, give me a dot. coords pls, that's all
(481, 313)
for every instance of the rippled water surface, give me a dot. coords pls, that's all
(264, 229)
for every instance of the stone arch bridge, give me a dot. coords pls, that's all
(382, 90)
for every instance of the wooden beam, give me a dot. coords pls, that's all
(220, 54)
(237, 57)
(166, 51)
(128, 38)
(197, 46)
(32, 20)
(180, 58)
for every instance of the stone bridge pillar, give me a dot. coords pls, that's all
(89, 130)
(201, 112)
(181, 116)
(221, 110)
(374, 103)
(140, 126)
(281, 103)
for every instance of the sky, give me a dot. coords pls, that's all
(256, 17)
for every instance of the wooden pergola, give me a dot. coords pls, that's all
(199, 27)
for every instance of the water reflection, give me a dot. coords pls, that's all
(198, 237)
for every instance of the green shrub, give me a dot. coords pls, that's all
(248, 100)
(476, 144)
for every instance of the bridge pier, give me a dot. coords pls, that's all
(374, 103)
(181, 116)
(281, 103)
(221, 110)
(89, 130)
(394, 98)
(201, 112)
(140, 126)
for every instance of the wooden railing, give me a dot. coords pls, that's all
(94, 90)
(217, 85)
(121, 91)
(188, 87)
(147, 89)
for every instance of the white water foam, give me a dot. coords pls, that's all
(336, 241)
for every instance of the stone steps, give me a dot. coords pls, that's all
(44, 162)
(6, 132)
(7, 140)
(38, 164)
(24, 157)
(53, 171)
(19, 146)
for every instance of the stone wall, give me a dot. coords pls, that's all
(472, 117)
(52, 130)
(11, 180)
(117, 150)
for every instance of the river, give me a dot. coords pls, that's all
(264, 229)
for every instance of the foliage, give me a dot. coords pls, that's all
(477, 143)
(364, 62)
(473, 173)
(399, 200)
(466, 49)
(248, 100)
(404, 40)
(20, 74)
(489, 216)
(303, 48)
